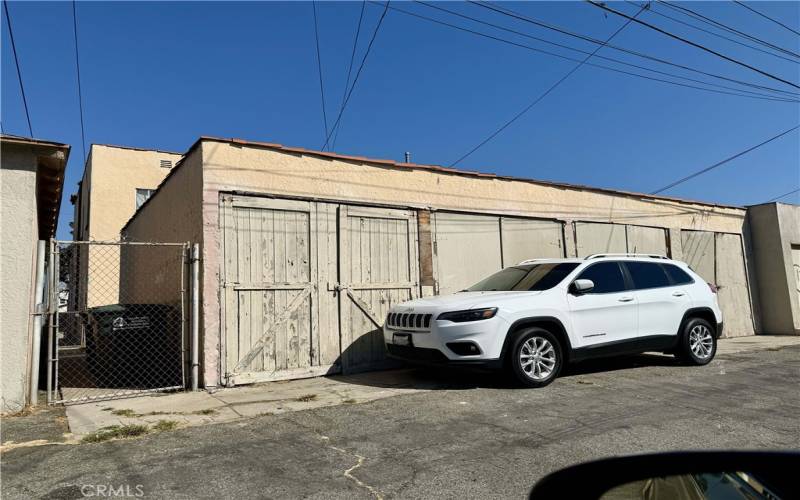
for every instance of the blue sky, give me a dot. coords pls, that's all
(158, 75)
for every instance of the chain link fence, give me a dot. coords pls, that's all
(117, 319)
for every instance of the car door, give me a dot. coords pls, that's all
(607, 313)
(661, 301)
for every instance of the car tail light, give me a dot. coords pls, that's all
(712, 287)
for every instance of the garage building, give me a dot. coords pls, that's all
(304, 252)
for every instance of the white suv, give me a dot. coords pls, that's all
(534, 317)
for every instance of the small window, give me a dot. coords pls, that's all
(529, 277)
(142, 195)
(166, 163)
(606, 276)
(647, 275)
(677, 275)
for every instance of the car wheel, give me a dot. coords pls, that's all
(698, 343)
(536, 357)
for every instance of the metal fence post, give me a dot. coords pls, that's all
(195, 311)
(38, 301)
(51, 279)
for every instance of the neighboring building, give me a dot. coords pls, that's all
(116, 181)
(303, 252)
(775, 234)
(31, 184)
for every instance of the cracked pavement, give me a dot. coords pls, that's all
(477, 437)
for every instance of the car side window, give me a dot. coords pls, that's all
(647, 275)
(677, 275)
(606, 276)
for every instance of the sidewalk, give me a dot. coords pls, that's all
(199, 408)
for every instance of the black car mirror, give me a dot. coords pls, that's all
(677, 476)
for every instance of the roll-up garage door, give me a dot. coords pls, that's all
(467, 249)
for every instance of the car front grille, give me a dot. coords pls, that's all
(409, 321)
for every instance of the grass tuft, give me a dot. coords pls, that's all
(124, 412)
(115, 432)
(165, 425)
(306, 398)
(206, 411)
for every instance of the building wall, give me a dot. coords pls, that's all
(18, 236)
(230, 167)
(108, 197)
(775, 229)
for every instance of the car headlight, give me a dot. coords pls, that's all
(470, 315)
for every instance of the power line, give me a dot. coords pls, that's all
(767, 17)
(784, 195)
(542, 96)
(608, 68)
(726, 160)
(597, 56)
(78, 70)
(358, 73)
(319, 68)
(350, 66)
(19, 73)
(693, 44)
(700, 17)
(709, 32)
(517, 15)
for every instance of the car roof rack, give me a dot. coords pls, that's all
(606, 255)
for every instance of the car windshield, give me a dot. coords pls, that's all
(528, 277)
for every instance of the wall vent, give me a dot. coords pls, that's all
(166, 163)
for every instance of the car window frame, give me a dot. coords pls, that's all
(625, 277)
(692, 281)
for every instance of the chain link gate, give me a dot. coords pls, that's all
(117, 319)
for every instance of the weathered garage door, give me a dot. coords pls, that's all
(467, 249)
(718, 258)
(530, 239)
(270, 289)
(470, 247)
(598, 237)
(594, 237)
(379, 268)
(734, 297)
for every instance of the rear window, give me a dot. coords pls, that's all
(677, 275)
(647, 275)
(530, 277)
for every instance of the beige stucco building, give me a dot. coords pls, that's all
(31, 182)
(116, 181)
(303, 252)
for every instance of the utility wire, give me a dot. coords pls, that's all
(726, 160)
(693, 44)
(598, 56)
(784, 195)
(700, 17)
(358, 73)
(350, 66)
(19, 73)
(78, 70)
(543, 95)
(517, 15)
(653, 10)
(319, 68)
(766, 17)
(616, 70)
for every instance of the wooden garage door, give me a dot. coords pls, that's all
(530, 239)
(467, 249)
(378, 268)
(595, 237)
(270, 290)
(734, 297)
(650, 240)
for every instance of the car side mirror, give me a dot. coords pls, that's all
(696, 474)
(581, 286)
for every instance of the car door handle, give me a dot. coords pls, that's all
(678, 294)
(626, 299)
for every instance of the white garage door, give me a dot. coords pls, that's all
(530, 239)
(467, 249)
(734, 299)
(593, 237)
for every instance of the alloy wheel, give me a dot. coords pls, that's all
(701, 342)
(537, 357)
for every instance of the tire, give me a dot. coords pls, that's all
(698, 342)
(548, 363)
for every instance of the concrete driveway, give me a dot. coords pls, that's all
(475, 438)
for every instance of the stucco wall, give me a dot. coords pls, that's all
(775, 227)
(232, 167)
(18, 235)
